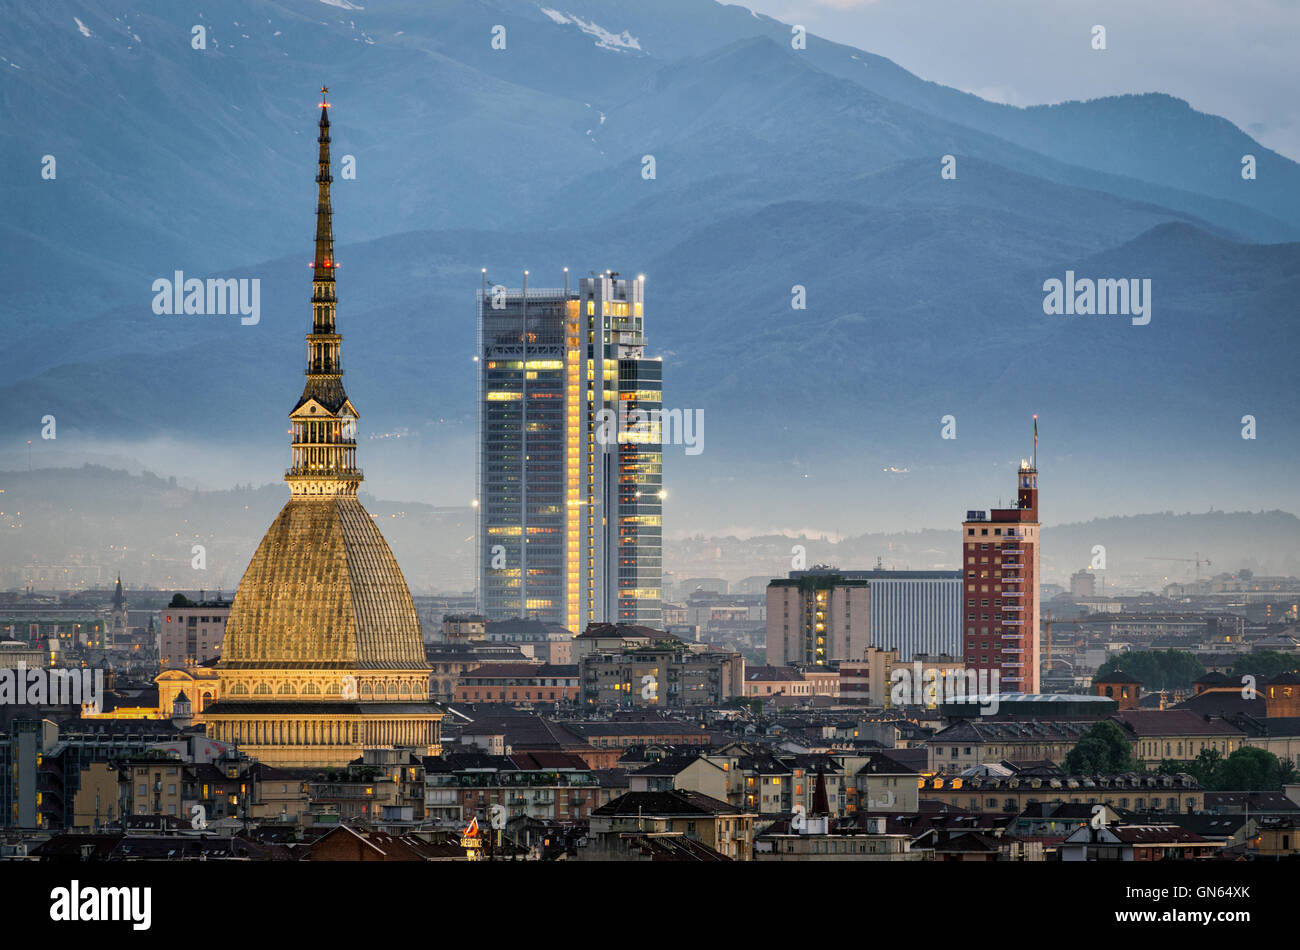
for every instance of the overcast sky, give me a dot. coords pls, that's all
(1236, 58)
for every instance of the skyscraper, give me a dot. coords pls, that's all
(323, 655)
(570, 506)
(1000, 595)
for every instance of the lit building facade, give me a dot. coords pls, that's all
(1000, 553)
(816, 618)
(570, 498)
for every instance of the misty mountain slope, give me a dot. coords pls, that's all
(946, 287)
(875, 350)
(181, 158)
(1148, 137)
(176, 157)
(418, 289)
(754, 112)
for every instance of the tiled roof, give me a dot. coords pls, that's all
(880, 763)
(1156, 834)
(611, 778)
(548, 761)
(1258, 801)
(651, 728)
(508, 627)
(521, 671)
(1142, 723)
(610, 630)
(785, 674)
(670, 765)
(1117, 676)
(968, 842)
(671, 848)
(1222, 702)
(1013, 730)
(665, 804)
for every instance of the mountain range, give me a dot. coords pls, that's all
(774, 168)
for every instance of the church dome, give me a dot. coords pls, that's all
(323, 591)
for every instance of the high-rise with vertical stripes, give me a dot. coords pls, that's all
(570, 509)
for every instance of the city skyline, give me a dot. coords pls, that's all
(754, 566)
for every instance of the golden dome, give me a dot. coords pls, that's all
(323, 591)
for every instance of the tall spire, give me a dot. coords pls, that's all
(323, 263)
(324, 420)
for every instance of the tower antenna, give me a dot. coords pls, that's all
(1034, 463)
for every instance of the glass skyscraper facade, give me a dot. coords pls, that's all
(570, 502)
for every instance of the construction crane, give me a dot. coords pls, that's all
(1197, 560)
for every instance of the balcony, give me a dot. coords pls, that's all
(324, 473)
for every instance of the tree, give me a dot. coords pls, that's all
(1157, 669)
(1205, 768)
(1251, 770)
(1102, 750)
(1264, 664)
